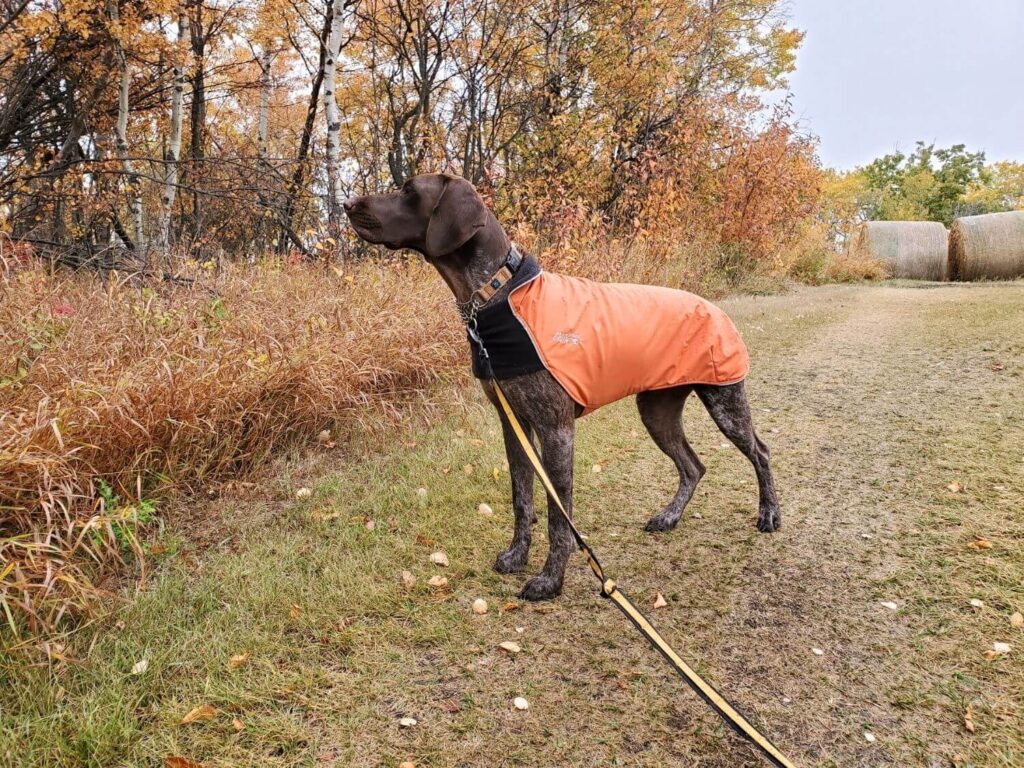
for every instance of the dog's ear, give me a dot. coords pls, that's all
(458, 214)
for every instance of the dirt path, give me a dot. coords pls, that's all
(873, 400)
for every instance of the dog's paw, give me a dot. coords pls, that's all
(665, 520)
(769, 520)
(541, 588)
(512, 560)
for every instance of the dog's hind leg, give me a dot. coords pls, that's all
(730, 410)
(661, 411)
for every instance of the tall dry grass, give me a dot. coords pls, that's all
(169, 385)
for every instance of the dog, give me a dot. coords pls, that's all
(444, 219)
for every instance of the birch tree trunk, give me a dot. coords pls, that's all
(173, 156)
(333, 117)
(132, 181)
(264, 116)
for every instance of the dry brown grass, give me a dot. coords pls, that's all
(163, 387)
(146, 390)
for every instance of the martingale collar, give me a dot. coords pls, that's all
(513, 260)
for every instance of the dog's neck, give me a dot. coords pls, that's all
(470, 266)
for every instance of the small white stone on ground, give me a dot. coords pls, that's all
(520, 703)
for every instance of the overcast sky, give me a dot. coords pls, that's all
(876, 75)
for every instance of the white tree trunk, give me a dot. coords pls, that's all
(333, 115)
(174, 147)
(264, 117)
(132, 181)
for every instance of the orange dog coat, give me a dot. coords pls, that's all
(606, 341)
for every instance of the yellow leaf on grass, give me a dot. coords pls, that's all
(439, 558)
(510, 647)
(237, 724)
(980, 543)
(438, 581)
(202, 712)
(969, 719)
(496, 474)
(237, 660)
(295, 612)
(175, 761)
(1017, 620)
(955, 487)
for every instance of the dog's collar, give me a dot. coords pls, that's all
(483, 294)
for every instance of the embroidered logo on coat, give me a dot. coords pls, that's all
(567, 337)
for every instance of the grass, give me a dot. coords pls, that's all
(873, 400)
(157, 390)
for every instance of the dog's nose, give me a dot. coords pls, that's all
(349, 203)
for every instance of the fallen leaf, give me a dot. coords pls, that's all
(237, 724)
(408, 580)
(997, 366)
(520, 703)
(976, 603)
(1017, 620)
(869, 737)
(303, 493)
(468, 469)
(485, 509)
(817, 651)
(980, 543)
(439, 558)
(237, 660)
(202, 712)
(140, 667)
(890, 605)
(955, 487)
(407, 722)
(295, 612)
(480, 606)
(660, 601)
(176, 761)
(407, 764)
(438, 581)
(423, 541)
(969, 719)
(509, 606)
(510, 646)
(496, 474)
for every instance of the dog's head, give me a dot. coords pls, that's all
(433, 213)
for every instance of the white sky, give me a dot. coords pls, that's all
(877, 75)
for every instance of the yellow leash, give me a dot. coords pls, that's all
(610, 590)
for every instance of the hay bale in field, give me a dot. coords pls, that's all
(910, 249)
(987, 247)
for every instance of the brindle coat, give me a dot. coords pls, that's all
(443, 218)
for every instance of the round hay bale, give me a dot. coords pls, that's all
(909, 249)
(987, 247)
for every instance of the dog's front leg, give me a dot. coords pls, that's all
(513, 559)
(556, 445)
